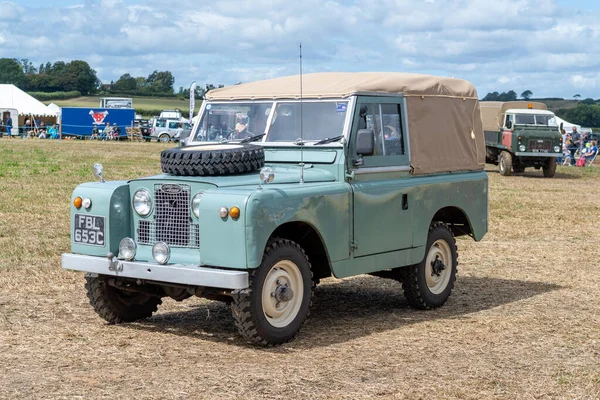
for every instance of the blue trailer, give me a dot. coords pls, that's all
(80, 121)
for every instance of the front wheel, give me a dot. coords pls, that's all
(275, 306)
(549, 168)
(505, 163)
(116, 305)
(164, 138)
(428, 284)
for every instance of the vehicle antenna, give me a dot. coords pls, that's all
(301, 133)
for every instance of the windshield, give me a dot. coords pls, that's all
(280, 121)
(534, 119)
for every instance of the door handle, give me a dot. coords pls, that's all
(405, 202)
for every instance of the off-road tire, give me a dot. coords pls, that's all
(247, 308)
(108, 302)
(220, 159)
(518, 169)
(505, 163)
(164, 138)
(415, 287)
(549, 168)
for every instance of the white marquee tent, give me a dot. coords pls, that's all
(11, 97)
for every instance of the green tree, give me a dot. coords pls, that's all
(12, 72)
(78, 75)
(588, 101)
(576, 96)
(140, 83)
(526, 94)
(161, 82)
(125, 83)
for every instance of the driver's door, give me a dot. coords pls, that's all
(382, 191)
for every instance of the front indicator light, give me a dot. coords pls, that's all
(77, 202)
(161, 252)
(127, 249)
(234, 212)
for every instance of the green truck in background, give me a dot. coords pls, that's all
(519, 135)
(366, 173)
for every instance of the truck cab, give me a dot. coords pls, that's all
(521, 135)
(364, 173)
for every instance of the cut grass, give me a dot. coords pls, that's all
(522, 321)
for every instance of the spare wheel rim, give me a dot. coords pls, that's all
(283, 276)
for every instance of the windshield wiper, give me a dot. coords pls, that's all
(252, 138)
(329, 140)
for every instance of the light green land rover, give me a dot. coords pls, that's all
(366, 173)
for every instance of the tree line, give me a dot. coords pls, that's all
(78, 76)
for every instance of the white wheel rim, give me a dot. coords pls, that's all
(440, 249)
(281, 313)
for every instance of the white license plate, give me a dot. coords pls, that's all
(89, 229)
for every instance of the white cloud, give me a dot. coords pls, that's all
(498, 45)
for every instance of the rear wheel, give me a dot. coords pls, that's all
(116, 305)
(428, 284)
(505, 163)
(549, 168)
(273, 309)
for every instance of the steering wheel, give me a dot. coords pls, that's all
(391, 132)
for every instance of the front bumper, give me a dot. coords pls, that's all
(183, 274)
(540, 155)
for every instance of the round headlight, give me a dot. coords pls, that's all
(522, 147)
(556, 149)
(161, 252)
(142, 203)
(196, 205)
(127, 249)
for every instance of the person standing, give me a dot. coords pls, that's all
(576, 144)
(8, 126)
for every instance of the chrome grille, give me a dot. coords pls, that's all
(172, 222)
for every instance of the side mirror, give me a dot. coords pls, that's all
(509, 124)
(365, 142)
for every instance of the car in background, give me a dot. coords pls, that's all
(166, 130)
(145, 127)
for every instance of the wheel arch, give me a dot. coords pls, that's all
(307, 237)
(456, 218)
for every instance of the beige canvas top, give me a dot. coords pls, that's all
(444, 121)
(492, 112)
(343, 84)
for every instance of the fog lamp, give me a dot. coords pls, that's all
(234, 212)
(161, 252)
(522, 147)
(127, 249)
(77, 202)
(556, 149)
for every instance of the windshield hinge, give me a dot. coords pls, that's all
(350, 175)
(353, 244)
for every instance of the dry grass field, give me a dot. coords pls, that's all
(523, 321)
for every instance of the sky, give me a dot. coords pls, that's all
(550, 47)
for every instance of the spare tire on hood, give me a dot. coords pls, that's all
(213, 159)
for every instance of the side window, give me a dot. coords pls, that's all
(160, 123)
(173, 125)
(509, 121)
(384, 119)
